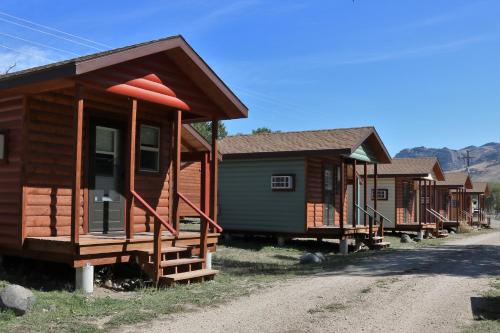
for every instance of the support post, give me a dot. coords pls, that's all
(84, 278)
(205, 204)
(177, 169)
(420, 217)
(354, 194)
(457, 203)
(342, 195)
(365, 188)
(129, 228)
(77, 176)
(214, 169)
(344, 246)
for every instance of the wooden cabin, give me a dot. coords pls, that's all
(407, 194)
(91, 159)
(295, 184)
(452, 203)
(476, 198)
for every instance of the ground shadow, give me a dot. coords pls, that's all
(485, 308)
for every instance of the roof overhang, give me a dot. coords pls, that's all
(375, 142)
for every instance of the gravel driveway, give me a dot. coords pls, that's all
(424, 290)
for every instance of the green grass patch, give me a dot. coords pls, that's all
(487, 311)
(328, 308)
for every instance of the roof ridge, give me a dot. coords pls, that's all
(294, 132)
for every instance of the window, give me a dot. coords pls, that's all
(282, 183)
(150, 148)
(3, 146)
(382, 194)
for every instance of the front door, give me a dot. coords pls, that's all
(328, 195)
(106, 196)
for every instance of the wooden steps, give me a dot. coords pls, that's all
(378, 243)
(441, 234)
(193, 276)
(177, 266)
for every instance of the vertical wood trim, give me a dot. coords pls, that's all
(375, 187)
(77, 177)
(420, 203)
(306, 197)
(342, 194)
(365, 187)
(214, 171)
(86, 174)
(129, 218)
(354, 194)
(22, 195)
(205, 204)
(177, 169)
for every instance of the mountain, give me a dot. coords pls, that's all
(484, 160)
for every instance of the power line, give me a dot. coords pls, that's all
(39, 44)
(54, 29)
(50, 34)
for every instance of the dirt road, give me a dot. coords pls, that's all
(424, 290)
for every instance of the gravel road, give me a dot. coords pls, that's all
(424, 290)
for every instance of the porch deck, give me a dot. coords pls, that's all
(336, 231)
(103, 249)
(413, 226)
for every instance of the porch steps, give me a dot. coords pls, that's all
(441, 234)
(178, 265)
(378, 243)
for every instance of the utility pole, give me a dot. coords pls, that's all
(467, 159)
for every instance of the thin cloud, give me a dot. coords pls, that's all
(23, 57)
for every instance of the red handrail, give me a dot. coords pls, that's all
(155, 214)
(192, 205)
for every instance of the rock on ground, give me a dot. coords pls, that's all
(17, 298)
(405, 238)
(310, 258)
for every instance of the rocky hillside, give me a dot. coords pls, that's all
(485, 160)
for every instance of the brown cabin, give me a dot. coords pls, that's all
(476, 198)
(407, 194)
(453, 198)
(300, 184)
(92, 153)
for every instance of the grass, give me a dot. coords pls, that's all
(245, 267)
(487, 311)
(332, 307)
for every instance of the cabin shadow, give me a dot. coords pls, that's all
(485, 308)
(257, 243)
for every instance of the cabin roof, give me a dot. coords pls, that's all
(340, 141)
(479, 187)
(456, 179)
(193, 140)
(417, 167)
(192, 64)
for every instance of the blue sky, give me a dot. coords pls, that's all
(425, 73)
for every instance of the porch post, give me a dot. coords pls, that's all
(205, 204)
(77, 176)
(457, 197)
(129, 228)
(354, 194)
(177, 169)
(420, 217)
(214, 171)
(342, 195)
(375, 186)
(365, 194)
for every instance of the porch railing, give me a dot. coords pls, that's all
(370, 221)
(439, 217)
(468, 216)
(382, 219)
(199, 211)
(158, 222)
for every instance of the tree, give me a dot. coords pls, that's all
(262, 130)
(205, 129)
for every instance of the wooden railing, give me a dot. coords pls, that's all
(468, 216)
(370, 221)
(382, 219)
(439, 217)
(199, 211)
(158, 222)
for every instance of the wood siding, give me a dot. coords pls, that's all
(247, 202)
(314, 193)
(11, 116)
(190, 186)
(49, 164)
(385, 207)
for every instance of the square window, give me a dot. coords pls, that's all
(382, 194)
(150, 148)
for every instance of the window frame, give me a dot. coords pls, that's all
(291, 188)
(146, 148)
(5, 158)
(381, 190)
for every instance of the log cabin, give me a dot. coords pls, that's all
(452, 204)
(296, 184)
(407, 194)
(476, 198)
(91, 159)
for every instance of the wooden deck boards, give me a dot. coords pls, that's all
(414, 226)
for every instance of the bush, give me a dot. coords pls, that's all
(463, 227)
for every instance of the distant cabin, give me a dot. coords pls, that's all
(454, 188)
(297, 183)
(477, 196)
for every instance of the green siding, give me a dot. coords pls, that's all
(364, 153)
(246, 201)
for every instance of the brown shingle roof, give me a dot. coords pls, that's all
(340, 141)
(456, 178)
(411, 166)
(479, 187)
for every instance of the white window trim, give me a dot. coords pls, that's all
(147, 148)
(383, 190)
(285, 184)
